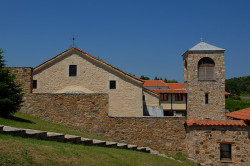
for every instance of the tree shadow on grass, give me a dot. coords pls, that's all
(10, 117)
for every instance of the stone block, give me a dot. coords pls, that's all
(35, 134)
(13, 131)
(55, 137)
(72, 139)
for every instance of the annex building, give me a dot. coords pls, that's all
(79, 90)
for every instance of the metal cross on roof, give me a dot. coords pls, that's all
(73, 41)
(202, 40)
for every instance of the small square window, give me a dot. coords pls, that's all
(34, 84)
(225, 151)
(112, 84)
(72, 70)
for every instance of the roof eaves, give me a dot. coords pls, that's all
(49, 60)
(151, 90)
(91, 56)
(138, 79)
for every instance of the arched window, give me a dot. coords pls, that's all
(206, 69)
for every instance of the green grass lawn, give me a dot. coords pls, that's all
(28, 151)
(22, 120)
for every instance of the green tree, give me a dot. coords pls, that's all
(144, 77)
(172, 81)
(156, 78)
(10, 92)
(238, 86)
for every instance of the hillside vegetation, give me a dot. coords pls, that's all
(238, 86)
(233, 104)
(240, 91)
(28, 151)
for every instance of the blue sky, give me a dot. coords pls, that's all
(142, 37)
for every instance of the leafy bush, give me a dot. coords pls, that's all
(238, 86)
(234, 105)
(235, 97)
(10, 92)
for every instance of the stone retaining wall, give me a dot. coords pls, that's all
(23, 76)
(89, 112)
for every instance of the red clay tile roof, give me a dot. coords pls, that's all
(243, 114)
(211, 122)
(175, 85)
(227, 93)
(170, 90)
(73, 48)
(154, 83)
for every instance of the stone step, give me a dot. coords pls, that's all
(133, 147)
(111, 144)
(148, 150)
(154, 152)
(52, 136)
(99, 142)
(86, 141)
(1, 129)
(36, 134)
(142, 149)
(13, 131)
(122, 146)
(72, 139)
(55, 136)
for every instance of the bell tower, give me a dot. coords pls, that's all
(204, 79)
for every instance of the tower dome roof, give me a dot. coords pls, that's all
(202, 46)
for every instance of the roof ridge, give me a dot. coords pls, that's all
(111, 65)
(98, 59)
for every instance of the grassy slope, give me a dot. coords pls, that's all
(27, 151)
(22, 120)
(23, 151)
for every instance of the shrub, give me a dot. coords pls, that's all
(10, 92)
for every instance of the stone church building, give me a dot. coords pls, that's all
(187, 117)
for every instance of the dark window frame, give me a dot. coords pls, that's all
(206, 69)
(163, 96)
(72, 70)
(178, 97)
(224, 153)
(34, 84)
(112, 84)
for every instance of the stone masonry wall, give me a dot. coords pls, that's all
(24, 77)
(196, 107)
(203, 144)
(89, 112)
(94, 77)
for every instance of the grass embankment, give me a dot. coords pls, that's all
(22, 120)
(28, 151)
